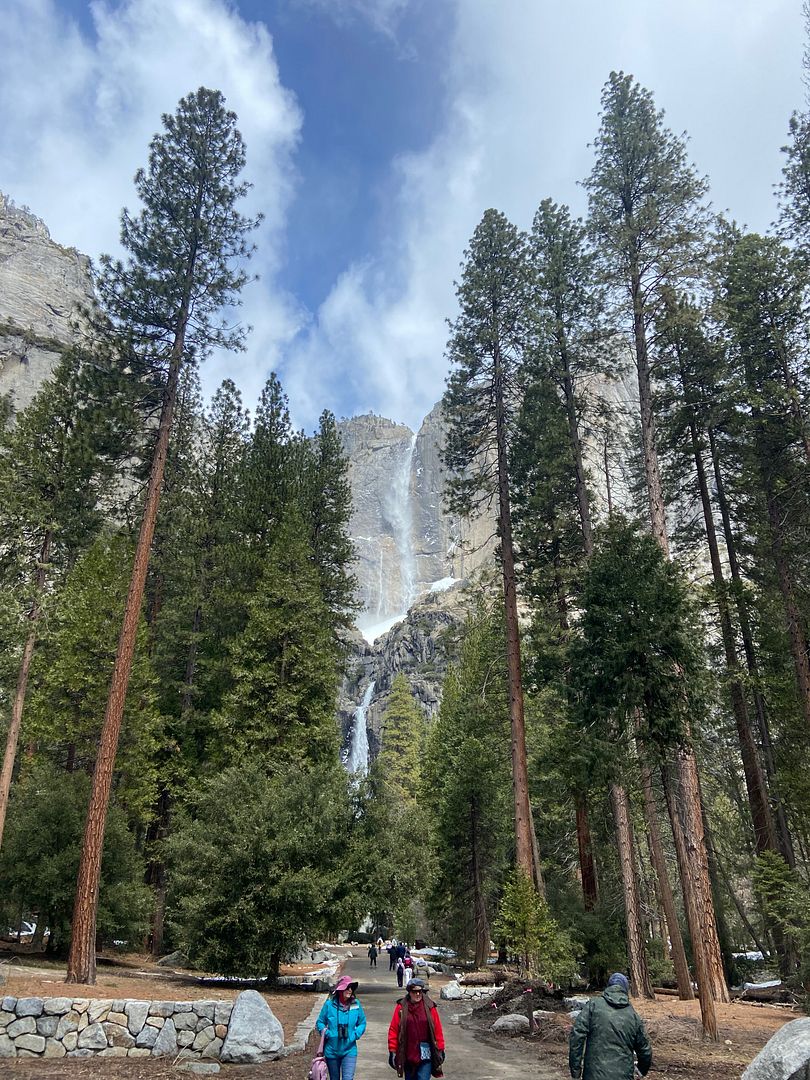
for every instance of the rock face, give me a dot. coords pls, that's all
(405, 540)
(42, 286)
(785, 1056)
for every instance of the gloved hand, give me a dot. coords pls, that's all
(392, 1059)
(441, 1056)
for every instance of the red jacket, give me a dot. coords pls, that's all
(393, 1028)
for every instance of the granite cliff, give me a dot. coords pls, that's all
(43, 286)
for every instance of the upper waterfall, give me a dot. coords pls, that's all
(358, 751)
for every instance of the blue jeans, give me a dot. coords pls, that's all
(344, 1067)
(414, 1071)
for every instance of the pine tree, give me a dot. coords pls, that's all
(648, 222)
(162, 306)
(53, 478)
(486, 349)
(401, 744)
(282, 704)
(466, 775)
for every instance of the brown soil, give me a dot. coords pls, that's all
(135, 977)
(679, 1050)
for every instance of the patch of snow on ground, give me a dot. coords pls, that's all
(443, 584)
(376, 630)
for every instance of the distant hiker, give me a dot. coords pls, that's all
(401, 949)
(609, 1031)
(392, 956)
(343, 1021)
(415, 1036)
(400, 970)
(372, 955)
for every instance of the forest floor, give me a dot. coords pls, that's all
(679, 1050)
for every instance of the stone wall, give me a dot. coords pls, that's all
(245, 1030)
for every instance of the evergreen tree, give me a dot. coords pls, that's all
(162, 305)
(466, 773)
(480, 404)
(53, 478)
(403, 729)
(282, 704)
(648, 221)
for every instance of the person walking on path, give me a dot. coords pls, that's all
(342, 1022)
(392, 956)
(415, 1036)
(607, 1036)
(372, 955)
(400, 970)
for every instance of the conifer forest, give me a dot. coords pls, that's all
(618, 774)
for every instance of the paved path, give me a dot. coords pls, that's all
(468, 1058)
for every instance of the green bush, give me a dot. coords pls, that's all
(526, 925)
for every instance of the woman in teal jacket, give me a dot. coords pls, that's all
(343, 1021)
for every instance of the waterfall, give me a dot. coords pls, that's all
(402, 520)
(358, 751)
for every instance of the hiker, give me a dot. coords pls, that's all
(608, 1032)
(400, 970)
(372, 955)
(392, 956)
(407, 963)
(343, 1021)
(415, 1036)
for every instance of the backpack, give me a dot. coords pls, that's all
(318, 1070)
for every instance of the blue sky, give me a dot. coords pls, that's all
(378, 132)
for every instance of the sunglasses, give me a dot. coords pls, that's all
(414, 989)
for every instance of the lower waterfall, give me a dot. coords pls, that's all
(358, 751)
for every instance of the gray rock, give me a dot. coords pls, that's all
(575, 1004)
(114, 1051)
(203, 1038)
(206, 1009)
(118, 1035)
(185, 1038)
(166, 1042)
(47, 1025)
(202, 1068)
(139, 1051)
(34, 1043)
(6, 1018)
(70, 1040)
(68, 1022)
(785, 1056)
(451, 992)
(117, 1016)
(98, 1009)
(8, 1004)
(94, 1037)
(186, 1021)
(515, 1024)
(147, 1038)
(54, 1049)
(29, 1006)
(136, 1013)
(222, 1012)
(57, 1005)
(84, 1052)
(174, 959)
(162, 1008)
(6, 1047)
(254, 1033)
(213, 1050)
(26, 1026)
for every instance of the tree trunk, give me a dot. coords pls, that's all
(82, 957)
(640, 985)
(479, 903)
(761, 817)
(13, 735)
(524, 855)
(783, 832)
(684, 982)
(655, 491)
(587, 865)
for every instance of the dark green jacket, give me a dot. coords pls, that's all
(608, 1031)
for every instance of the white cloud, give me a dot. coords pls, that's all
(383, 15)
(79, 110)
(523, 80)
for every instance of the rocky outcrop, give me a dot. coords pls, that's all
(785, 1056)
(405, 539)
(42, 288)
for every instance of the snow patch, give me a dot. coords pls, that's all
(443, 584)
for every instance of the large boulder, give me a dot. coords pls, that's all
(452, 992)
(785, 1056)
(254, 1033)
(516, 1024)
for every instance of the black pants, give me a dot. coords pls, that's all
(391, 962)
(372, 961)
